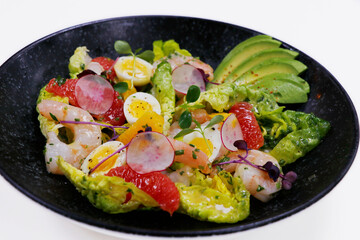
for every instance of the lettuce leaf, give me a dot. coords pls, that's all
(164, 49)
(227, 201)
(164, 92)
(107, 193)
(78, 61)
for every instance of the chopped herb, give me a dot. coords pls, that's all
(53, 117)
(260, 188)
(60, 80)
(181, 173)
(194, 155)
(179, 152)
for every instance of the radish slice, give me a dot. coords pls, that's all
(95, 67)
(149, 152)
(186, 75)
(94, 94)
(231, 132)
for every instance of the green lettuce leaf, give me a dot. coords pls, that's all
(107, 193)
(226, 202)
(164, 49)
(164, 92)
(78, 61)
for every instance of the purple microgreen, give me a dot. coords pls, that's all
(273, 171)
(206, 76)
(113, 154)
(241, 145)
(288, 179)
(148, 129)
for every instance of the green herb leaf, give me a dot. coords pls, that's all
(198, 125)
(197, 106)
(147, 55)
(53, 117)
(193, 93)
(179, 152)
(184, 132)
(215, 120)
(121, 87)
(185, 119)
(137, 51)
(122, 47)
(60, 80)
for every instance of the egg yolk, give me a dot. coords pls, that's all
(101, 155)
(138, 107)
(201, 144)
(141, 70)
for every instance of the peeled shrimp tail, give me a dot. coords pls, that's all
(86, 137)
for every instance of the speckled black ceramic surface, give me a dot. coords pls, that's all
(22, 160)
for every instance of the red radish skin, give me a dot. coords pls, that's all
(149, 152)
(94, 94)
(231, 132)
(186, 75)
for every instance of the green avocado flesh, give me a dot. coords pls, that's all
(240, 53)
(258, 58)
(274, 65)
(285, 87)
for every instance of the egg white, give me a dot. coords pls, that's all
(124, 71)
(150, 99)
(212, 134)
(111, 146)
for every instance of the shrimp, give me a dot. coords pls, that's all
(189, 156)
(176, 59)
(256, 181)
(86, 137)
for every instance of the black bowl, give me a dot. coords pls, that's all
(22, 160)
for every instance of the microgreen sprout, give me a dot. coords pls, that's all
(148, 129)
(115, 135)
(123, 47)
(273, 171)
(206, 76)
(185, 119)
(113, 154)
(192, 95)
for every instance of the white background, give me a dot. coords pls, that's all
(328, 31)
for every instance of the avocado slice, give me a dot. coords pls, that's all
(273, 65)
(285, 87)
(258, 58)
(241, 52)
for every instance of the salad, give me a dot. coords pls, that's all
(160, 129)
